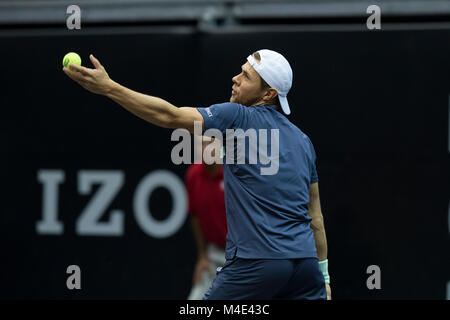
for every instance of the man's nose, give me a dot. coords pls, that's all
(235, 79)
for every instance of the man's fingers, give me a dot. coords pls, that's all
(70, 73)
(73, 74)
(95, 62)
(83, 70)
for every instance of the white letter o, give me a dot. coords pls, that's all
(151, 226)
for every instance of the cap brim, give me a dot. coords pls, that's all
(284, 104)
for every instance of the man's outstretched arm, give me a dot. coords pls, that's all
(152, 109)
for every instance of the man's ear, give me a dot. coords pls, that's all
(271, 94)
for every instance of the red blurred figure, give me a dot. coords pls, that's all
(204, 183)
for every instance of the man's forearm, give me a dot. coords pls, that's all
(320, 238)
(152, 109)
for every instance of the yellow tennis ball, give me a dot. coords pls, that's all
(73, 58)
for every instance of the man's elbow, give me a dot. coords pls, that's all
(170, 120)
(173, 123)
(317, 222)
(163, 119)
(186, 118)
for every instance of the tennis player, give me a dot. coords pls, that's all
(276, 245)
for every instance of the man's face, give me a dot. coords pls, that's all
(246, 88)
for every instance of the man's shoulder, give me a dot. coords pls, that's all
(224, 109)
(299, 135)
(231, 106)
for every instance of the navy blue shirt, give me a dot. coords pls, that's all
(267, 214)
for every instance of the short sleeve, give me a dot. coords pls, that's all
(314, 175)
(222, 116)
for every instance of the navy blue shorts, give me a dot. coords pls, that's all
(263, 279)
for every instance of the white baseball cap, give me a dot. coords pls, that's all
(276, 71)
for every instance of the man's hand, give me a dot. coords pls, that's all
(95, 80)
(201, 266)
(327, 285)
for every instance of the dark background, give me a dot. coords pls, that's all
(375, 105)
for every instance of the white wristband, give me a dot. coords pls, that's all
(324, 268)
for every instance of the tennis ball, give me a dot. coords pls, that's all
(73, 58)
